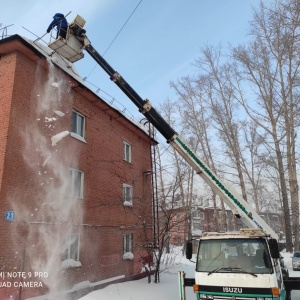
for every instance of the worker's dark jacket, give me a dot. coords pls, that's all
(60, 22)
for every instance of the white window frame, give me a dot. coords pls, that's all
(72, 173)
(69, 242)
(78, 133)
(127, 199)
(127, 243)
(201, 215)
(197, 226)
(127, 152)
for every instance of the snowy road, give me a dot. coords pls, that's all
(296, 295)
(288, 264)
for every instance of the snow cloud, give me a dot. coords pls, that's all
(53, 215)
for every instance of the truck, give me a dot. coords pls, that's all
(235, 265)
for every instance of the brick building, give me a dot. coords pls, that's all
(75, 190)
(202, 219)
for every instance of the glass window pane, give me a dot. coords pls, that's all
(74, 248)
(124, 152)
(128, 193)
(65, 254)
(127, 242)
(249, 255)
(77, 183)
(77, 124)
(73, 122)
(80, 122)
(127, 152)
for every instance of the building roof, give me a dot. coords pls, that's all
(38, 52)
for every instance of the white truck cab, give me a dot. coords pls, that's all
(238, 265)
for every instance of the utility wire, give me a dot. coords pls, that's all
(115, 37)
(123, 26)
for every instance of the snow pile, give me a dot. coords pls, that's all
(128, 255)
(70, 263)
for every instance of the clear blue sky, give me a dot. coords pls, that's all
(158, 44)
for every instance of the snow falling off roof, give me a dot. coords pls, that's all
(70, 69)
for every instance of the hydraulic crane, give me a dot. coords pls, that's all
(72, 48)
(219, 272)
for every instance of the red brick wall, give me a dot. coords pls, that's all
(35, 191)
(7, 71)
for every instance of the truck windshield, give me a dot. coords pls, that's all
(234, 255)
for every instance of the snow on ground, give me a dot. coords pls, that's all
(167, 289)
(288, 264)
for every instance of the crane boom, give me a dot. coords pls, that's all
(144, 106)
(236, 203)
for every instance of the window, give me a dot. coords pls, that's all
(197, 226)
(71, 247)
(127, 195)
(76, 183)
(202, 216)
(127, 152)
(127, 243)
(199, 215)
(77, 125)
(248, 255)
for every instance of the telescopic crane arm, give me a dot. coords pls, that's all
(237, 204)
(144, 106)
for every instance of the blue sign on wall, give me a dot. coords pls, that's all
(9, 215)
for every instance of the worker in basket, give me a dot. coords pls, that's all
(61, 24)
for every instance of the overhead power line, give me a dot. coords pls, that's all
(122, 27)
(115, 37)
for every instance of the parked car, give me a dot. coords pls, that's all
(296, 260)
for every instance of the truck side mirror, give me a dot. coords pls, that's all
(274, 249)
(189, 249)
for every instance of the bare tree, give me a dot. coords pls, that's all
(270, 64)
(175, 183)
(253, 166)
(223, 105)
(196, 123)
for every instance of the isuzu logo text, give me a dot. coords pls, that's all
(232, 290)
